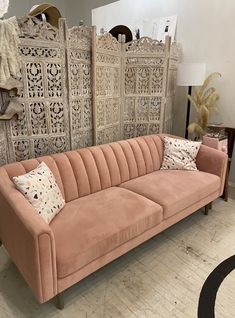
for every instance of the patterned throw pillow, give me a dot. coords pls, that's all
(41, 190)
(180, 154)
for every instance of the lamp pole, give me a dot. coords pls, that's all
(188, 112)
(189, 75)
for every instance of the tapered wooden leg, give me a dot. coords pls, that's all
(60, 301)
(206, 209)
(210, 205)
(225, 193)
(0, 243)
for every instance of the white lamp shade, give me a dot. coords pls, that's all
(191, 74)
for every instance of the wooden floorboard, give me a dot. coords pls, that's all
(161, 278)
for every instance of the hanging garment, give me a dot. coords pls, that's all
(4, 4)
(14, 108)
(10, 61)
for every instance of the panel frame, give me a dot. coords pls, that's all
(155, 58)
(105, 50)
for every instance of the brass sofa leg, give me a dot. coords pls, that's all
(207, 209)
(60, 301)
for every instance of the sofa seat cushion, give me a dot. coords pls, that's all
(91, 226)
(174, 190)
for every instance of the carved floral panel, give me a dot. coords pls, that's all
(54, 80)
(34, 80)
(129, 131)
(3, 151)
(57, 117)
(21, 148)
(155, 109)
(43, 126)
(143, 80)
(58, 144)
(19, 127)
(106, 103)
(33, 29)
(145, 45)
(38, 118)
(131, 97)
(41, 147)
(146, 72)
(129, 109)
(130, 80)
(80, 86)
(157, 81)
(75, 80)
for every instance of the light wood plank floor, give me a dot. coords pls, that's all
(161, 278)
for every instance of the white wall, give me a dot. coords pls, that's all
(77, 10)
(206, 31)
(20, 8)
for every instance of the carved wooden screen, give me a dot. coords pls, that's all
(171, 87)
(145, 69)
(80, 86)
(43, 127)
(106, 88)
(127, 83)
(3, 143)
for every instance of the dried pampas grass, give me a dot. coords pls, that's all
(204, 101)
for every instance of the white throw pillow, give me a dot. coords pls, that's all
(41, 190)
(180, 154)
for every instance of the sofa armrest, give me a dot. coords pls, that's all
(28, 240)
(213, 161)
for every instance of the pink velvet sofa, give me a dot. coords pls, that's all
(116, 198)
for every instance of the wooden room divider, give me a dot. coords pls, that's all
(134, 86)
(145, 71)
(81, 89)
(107, 81)
(79, 78)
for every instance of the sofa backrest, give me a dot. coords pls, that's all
(85, 171)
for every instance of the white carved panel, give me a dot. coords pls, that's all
(43, 127)
(145, 69)
(171, 87)
(80, 86)
(106, 88)
(81, 89)
(3, 141)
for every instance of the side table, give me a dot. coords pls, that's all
(231, 138)
(221, 145)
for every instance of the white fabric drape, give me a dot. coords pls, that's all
(9, 50)
(4, 4)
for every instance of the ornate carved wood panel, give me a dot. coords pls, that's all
(171, 87)
(3, 138)
(43, 128)
(71, 101)
(80, 85)
(145, 69)
(106, 88)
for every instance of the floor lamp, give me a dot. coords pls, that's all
(190, 74)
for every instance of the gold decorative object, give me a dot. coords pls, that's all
(204, 101)
(47, 12)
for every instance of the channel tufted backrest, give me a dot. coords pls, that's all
(85, 171)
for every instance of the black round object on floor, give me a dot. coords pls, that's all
(206, 305)
(122, 29)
